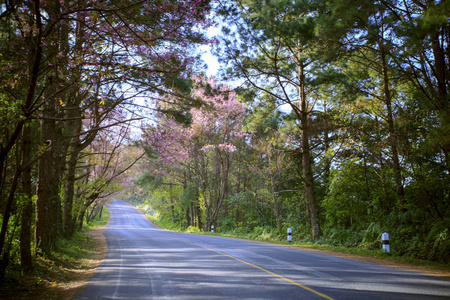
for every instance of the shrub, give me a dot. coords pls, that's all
(192, 229)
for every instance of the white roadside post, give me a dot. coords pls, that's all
(289, 236)
(385, 242)
(212, 228)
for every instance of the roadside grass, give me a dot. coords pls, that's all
(166, 224)
(62, 273)
(352, 251)
(378, 254)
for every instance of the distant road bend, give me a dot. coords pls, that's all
(145, 262)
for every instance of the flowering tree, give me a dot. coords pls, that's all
(204, 150)
(101, 168)
(68, 61)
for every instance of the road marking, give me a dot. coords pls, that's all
(262, 269)
(119, 277)
(129, 219)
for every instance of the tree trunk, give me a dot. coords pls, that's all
(385, 203)
(6, 215)
(48, 205)
(307, 162)
(172, 209)
(27, 208)
(69, 192)
(73, 128)
(81, 217)
(393, 142)
(48, 226)
(326, 142)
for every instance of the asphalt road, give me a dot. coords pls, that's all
(145, 262)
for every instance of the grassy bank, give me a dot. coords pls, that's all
(330, 249)
(62, 274)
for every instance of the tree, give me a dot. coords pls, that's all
(404, 53)
(204, 150)
(71, 61)
(276, 53)
(100, 169)
(352, 98)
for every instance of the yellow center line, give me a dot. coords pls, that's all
(129, 219)
(262, 269)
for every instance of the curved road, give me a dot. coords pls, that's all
(145, 262)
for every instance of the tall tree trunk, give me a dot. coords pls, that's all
(326, 142)
(393, 141)
(80, 216)
(73, 128)
(385, 203)
(48, 205)
(27, 208)
(307, 162)
(198, 213)
(69, 192)
(441, 53)
(172, 209)
(48, 226)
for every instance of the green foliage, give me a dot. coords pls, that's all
(412, 235)
(71, 248)
(180, 115)
(371, 237)
(97, 221)
(227, 224)
(68, 256)
(13, 240)
(167, 224)
(192, 229)
(340, 237)
(189, 196)
(436, 246)
(145, 207)
(352, 200)
(378, 128)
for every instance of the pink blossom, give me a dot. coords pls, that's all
(216, 128)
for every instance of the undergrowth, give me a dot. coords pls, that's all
(51, 273)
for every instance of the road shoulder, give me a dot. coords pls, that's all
(378, 261)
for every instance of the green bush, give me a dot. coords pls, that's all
(340, 237)
(227, 224)
(438, 242)
(372, 237)
(193, 229)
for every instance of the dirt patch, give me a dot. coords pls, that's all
(73, 288)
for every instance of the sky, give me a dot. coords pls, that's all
(208, 57)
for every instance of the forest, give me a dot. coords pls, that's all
(331, 118)
(328, 117)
